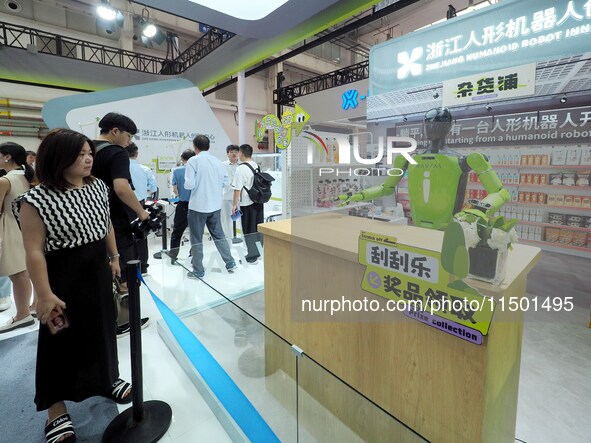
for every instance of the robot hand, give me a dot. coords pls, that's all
(348, 198)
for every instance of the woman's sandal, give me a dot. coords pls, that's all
(119, 388)
(58, 428)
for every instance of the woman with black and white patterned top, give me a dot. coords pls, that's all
(72, 257)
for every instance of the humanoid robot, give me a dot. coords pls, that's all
(437, 183)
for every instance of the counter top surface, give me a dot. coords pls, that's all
(338, 235)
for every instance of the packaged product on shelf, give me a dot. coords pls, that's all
(539, 215)
(568, 200)
(514, 197)
(586, 202)
(513, 211)
(542, 198)
(577, 201)
(587, 222)
(510, 160)
(552, 235)
(534, 198)
(523, 160)
(556, 218)
(529, 179)
(503, 177)
(558, 156)
(566, 237)
(543, 179)
(559, 199)
(582, 178)
(521, 198)
(579, 239)
(520, 212)
(538, 233)
(568, 179)
(573, 156)
(537, 160)
(589, 246)
(536, 179)
(574, 220)
(551, 199)
(545, 160)
(527, 197)
(586, 156)
(556, 179)
(522, 179)
(516, 177)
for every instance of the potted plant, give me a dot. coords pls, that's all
(488, 240)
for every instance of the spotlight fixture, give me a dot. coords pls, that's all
(488, 108)
(436, 95)
(451, 12)
(563, 99)
(404, 119)
(106, 11)
(151, 35)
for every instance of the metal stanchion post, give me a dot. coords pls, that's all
(235, 239)
(158, 254)
(144, 421)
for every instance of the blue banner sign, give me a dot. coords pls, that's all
(514, 32)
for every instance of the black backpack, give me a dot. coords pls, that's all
(261, 185)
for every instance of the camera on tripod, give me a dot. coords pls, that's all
(153, 223)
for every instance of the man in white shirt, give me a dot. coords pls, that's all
(143, 182)
(206, 177)
(231, 164)
(252, 213)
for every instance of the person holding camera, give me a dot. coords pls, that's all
(111, 165)
(72, 257)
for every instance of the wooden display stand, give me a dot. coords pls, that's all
(443, 387)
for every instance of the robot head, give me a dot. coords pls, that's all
(436, 126)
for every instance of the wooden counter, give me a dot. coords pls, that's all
(445, 388)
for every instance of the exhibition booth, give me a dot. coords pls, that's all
(391, 299)
(370, 374)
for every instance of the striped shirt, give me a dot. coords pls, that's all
(72, 218)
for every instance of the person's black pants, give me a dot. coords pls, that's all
(252, 215)
(180, 223)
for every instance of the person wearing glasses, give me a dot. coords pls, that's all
(111, 165)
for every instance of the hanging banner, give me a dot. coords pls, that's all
(497, 37)
(552, 127)
(503, 84)
(415, 277)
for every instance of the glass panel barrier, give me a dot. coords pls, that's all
(329, 410)
(225, 310)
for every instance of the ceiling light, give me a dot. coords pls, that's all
(563, 99)
(149, 30)
(106, 11)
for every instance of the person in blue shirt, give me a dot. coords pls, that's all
(206, 177)
(144, 184)
(182, 206)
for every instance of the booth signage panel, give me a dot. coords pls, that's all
(498, 36)
(502, 84)
(557, 126)
(403, 273)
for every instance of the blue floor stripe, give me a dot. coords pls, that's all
(224, 388)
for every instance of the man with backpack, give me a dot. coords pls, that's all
(252, 189)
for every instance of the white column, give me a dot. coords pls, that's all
(241, 108)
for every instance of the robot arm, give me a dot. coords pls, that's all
(387, 188)
(497, 195)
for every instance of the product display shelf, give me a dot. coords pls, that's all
(557, 245)
(524, 185)
(552, 225)
(567, 167)
(544, 206)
